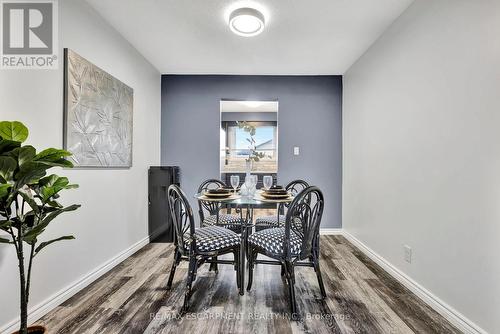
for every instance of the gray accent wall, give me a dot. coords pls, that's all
(309, 116)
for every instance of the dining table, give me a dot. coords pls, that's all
(249, 203)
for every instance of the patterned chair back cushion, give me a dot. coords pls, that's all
(182, 217)
(303, 219)
(211, 207)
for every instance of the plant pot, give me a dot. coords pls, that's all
(37, 329)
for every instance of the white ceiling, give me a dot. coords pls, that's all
(301, 36)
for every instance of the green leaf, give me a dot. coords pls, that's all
(8, 145)
(5, 241)
(23, 154)
(59, 182)
(53, 184)
(58, 163)
(51, 155)
(15, 131)
(7, 167)
(31, 202)
(54, 181)
(4, 190)
(46, 243)
(32, 234)
(54, 204)
(30, 172)
(5, 223)
(49, 209)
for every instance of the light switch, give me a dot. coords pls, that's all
(296, 150)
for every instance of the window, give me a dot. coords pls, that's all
(236, 147)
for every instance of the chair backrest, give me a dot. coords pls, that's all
(212, 207)
(295, 187)
(303, 219)
(182, 217)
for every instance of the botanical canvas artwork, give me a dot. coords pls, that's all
(98, 115)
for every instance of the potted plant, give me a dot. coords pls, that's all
(253, 155)
(29, 202)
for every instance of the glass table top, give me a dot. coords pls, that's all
(243, 200)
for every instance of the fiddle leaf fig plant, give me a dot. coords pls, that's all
(29, 200)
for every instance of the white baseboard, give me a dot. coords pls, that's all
(38, 311)
(330, 231)
(456, 318)
(448, 312)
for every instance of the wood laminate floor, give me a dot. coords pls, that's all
(361, 298)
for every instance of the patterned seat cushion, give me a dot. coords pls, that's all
(271, 240)
(270, 221)
(232, 222)
(213, 238)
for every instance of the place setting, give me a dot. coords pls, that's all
(272, 193)
(219, 194)
(268, 193)
(223, 192)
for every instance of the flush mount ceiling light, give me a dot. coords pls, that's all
(252, 104)
(246, 21)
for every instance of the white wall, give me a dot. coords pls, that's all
(113, 215)
(422, 151)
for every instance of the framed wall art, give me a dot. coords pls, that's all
(98, 115)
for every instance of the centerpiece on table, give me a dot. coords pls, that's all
(249, 186)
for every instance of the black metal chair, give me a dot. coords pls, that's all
(264, 222)
(198, 245)
(290, 245)
(215, 217)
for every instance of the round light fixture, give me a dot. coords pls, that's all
(246, 22)
(252, 104)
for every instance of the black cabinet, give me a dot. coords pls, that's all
(160, 225)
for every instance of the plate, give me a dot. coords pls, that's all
(231, 197)
(217, 195)
(231, 189)
(275, 196)
(275, 192)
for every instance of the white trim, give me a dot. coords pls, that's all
(455, 317)
(330, 231)
(448, 312)
(38, 311)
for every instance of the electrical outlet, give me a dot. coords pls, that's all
(296, 150)
(407, 250)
